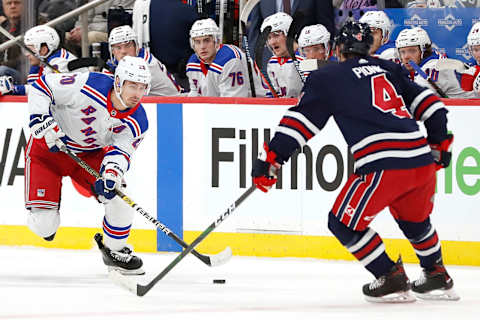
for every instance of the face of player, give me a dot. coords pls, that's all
(205, 48)
(377, 40)
(475, 50)
(34, 61)
(410, 53)
(120, 50)
(277, 41)
(132, 93)
(315, 52)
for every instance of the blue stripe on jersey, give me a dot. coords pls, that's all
(91, 96)
(368, 193)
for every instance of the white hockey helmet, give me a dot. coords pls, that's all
(133, 69)
(279, 21)
(121, 34)
(39, 35)
(413, 37)
(205, 27)
(473, 38)
(314, 34)
(380, 20)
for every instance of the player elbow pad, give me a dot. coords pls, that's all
(470, 79)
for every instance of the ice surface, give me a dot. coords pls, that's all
(37, 283)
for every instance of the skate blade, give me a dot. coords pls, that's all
(440, 294)
(126, 272)
(396, 297)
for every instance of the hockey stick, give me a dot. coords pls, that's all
(210, 260)
(88, 62)
(21, 44)
(243, 19)
(294, 28)
(259, 46)
(140, 290)
(425, 76)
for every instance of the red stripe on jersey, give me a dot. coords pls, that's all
(388, 145)
(424, 105)
(368, 248)
(427, 244)
(343, 193)
(45, 87)
(294, 123)
(95, 93)
(355, 199)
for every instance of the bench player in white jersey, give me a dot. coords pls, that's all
(314, 44)
(381, 28)
(44, 42)
(415, 45)
(281, 69)
(470, 78)
(216, 69)
(123, 42)
(101, 119)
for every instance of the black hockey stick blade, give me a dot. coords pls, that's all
(259, 46)
(210, 260)
(139, 289)
(88, 62)
(294, 29)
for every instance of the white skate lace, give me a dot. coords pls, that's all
(377, 283)
(421, 280)
(123, 255)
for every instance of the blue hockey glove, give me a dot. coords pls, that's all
(111, 178)
(264, 171)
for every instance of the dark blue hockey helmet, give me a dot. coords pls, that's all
(354, 37)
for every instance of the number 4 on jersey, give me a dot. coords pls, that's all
(386, 98)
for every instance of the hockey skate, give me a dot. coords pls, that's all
(122, 261)
(391, 287)
(435, 284)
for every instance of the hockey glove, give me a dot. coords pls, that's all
(442, 152)
(44, 126)
(111, 178)
(264, 171)
(470, 79)
(6, 85)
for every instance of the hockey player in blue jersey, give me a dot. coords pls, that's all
(45, 43)
(395, 164)
(381, 27)
(99, 118)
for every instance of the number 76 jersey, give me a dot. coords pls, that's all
(375, 106)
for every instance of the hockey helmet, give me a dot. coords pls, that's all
(314, 34)
(378, 19)
(473, 38)
(39, 35)
(354, 37)
(279, 21)
(413, 37)
(121, 34)
(205, 27)
(133, 69)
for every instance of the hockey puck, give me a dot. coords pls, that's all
(218, 280)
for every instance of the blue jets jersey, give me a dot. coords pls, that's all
(375, 106)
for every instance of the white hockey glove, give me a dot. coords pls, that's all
(470, 79)
(44, 126)
(6, 85)
(111, 178)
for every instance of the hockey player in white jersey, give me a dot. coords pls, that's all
(44, 42)
(470, 78)
(381, 28)
(281, 69)
(216, 69)
(123, 42)
(415, 45)
(101, 119)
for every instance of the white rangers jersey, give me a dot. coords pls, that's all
(58, 59)
(226, 76)
(80, 104)
(445, 79)
(387, 52)
(163, 83)
(285, 78)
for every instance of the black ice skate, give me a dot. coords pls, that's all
(435, 284)
(122, 261)
(392, 287)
